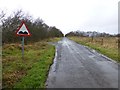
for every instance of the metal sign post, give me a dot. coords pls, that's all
(24, 32)
(22, 47)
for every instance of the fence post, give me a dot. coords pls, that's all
(102, 41)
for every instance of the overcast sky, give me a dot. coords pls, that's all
(70, 15)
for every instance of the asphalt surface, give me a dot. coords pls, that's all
(76, 66)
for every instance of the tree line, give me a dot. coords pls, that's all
(90, 34)
(37, 27)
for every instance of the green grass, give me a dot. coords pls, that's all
(53, 39)
(109, 47)
(33, 70)
(37, 75)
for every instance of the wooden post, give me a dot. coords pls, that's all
(102, 41)
(92, 38)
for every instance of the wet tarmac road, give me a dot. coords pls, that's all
(76, 66)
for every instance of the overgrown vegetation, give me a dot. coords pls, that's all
(37, 27)
(105, 45)
(33, 70)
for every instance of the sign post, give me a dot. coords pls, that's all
(23, 31)
(22, 47)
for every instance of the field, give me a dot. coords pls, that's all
(33, 70)
(105, 45)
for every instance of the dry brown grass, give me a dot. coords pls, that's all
(105, 45)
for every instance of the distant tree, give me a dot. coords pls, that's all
(54, 32)
(70, 34)
(2, 16)
(88, 34)
(118, 35)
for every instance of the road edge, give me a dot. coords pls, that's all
(52, 66)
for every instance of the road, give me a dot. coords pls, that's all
(76, 66)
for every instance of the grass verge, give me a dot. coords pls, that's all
(33, 70)
(109, 46)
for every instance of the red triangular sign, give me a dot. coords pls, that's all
(23, 30)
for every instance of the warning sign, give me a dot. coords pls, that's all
(23, 30)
